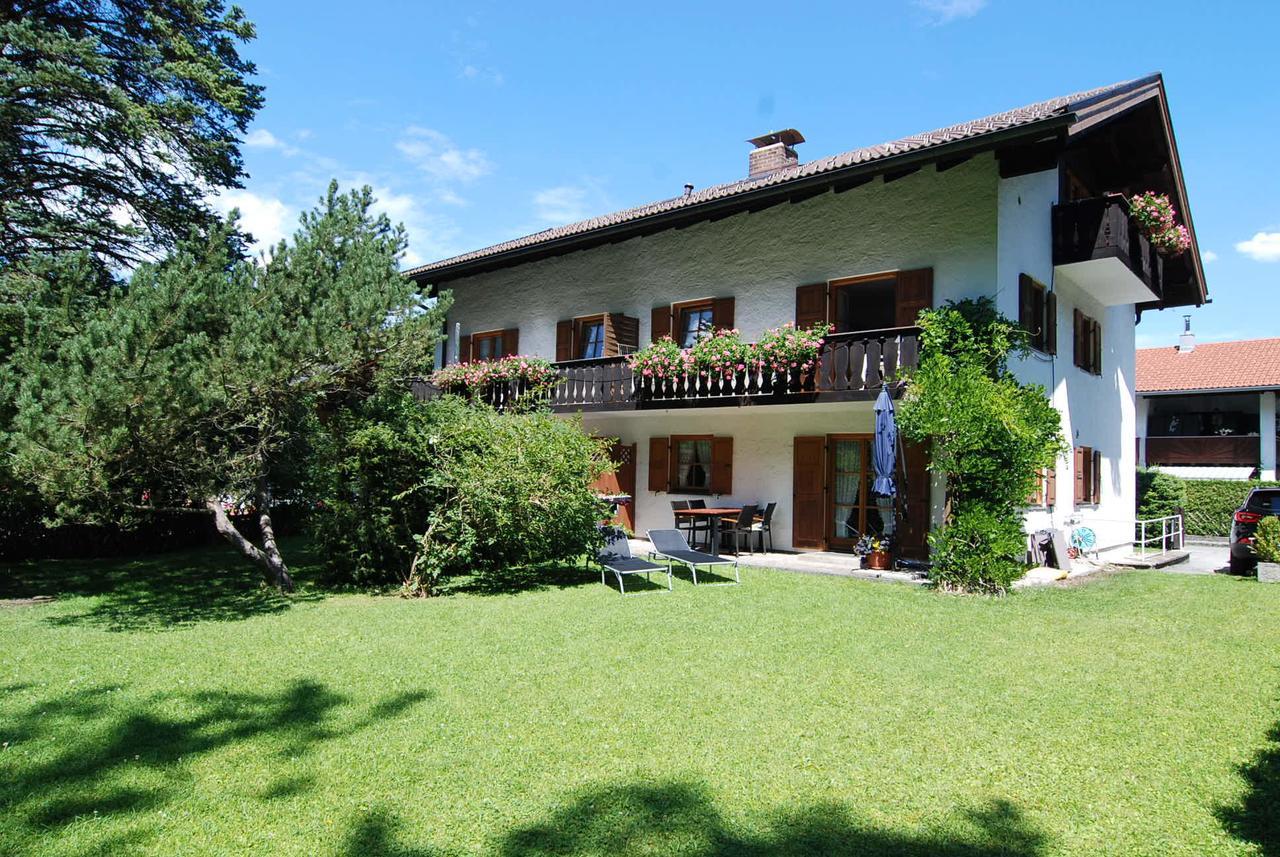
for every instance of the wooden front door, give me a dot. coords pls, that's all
(621, 481)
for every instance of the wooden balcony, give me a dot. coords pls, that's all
(1209, 450)
(1098, 245)
(851, 367)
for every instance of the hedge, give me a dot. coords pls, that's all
(1208, 503)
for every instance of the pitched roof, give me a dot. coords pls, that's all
(1244, 364)
(1097, 102)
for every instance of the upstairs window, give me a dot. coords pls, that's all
(865, 304)
(591, 338)
(1087, 340)
(1038, 314)
(486, 346)
(695, 321)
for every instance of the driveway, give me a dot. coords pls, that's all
(1203, 559)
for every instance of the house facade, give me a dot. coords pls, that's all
(1014, 206)
(1208, 411)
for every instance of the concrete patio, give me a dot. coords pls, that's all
(815, 562)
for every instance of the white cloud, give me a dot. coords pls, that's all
(945, 11)
(560, 205)
(261, 138)
(437, 156)
(427, 233)
(265, 218)
(448, 197)
(475, 72)
(1208, 256)
(1262, 247)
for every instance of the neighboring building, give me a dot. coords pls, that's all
(1209, 411)
(1020, 206)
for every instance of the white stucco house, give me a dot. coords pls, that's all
(1024, 206)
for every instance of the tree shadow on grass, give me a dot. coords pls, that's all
(159, 591)
(1256, 818)
(118, 761)
(509, 581)
(634, 819)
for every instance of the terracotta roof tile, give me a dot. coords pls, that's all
(972, 129)
(1245, 364)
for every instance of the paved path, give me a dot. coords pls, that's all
(1203, 559)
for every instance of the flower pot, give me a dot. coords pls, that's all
(1269, 572)
(877, 560)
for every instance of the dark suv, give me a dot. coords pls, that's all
(1260, 503)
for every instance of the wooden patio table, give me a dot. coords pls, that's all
(715, 513)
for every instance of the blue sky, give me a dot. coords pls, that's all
(478, 122)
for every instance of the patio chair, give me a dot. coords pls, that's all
(764, 526)
(671, 546)
(742, 525)
(699, 525)
(616, 556)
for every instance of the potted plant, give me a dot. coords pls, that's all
(1267, 545)
(721, 358)
(875, 552)
(521, 375)
(659, 364)
(790, 354)
(1158, 220)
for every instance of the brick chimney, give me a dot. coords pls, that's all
(773, 151)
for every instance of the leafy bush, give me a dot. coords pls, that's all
(1211, 502)
(989, 434)
(1267, 538)
(412, 493)
(979, 550)
(1159, 494)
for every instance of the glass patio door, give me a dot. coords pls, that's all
(851, 510)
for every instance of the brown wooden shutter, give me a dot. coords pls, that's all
(464, 349)
(1026, 305)
(510, 341)
(564, 340)
(1095, 343)
(659, 464)
(722, 313)
(1079, 468)
(1035, 497)
(1051, 487)
(1051, 323)
(622, 334)
(722, 465)
(661, 322)
(913, 535)
(1095, 483)
(808, 502)
(811, 305)
(1077, 338)
(914, 294)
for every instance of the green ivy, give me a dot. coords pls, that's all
(988, 434)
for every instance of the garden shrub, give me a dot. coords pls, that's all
(1159, 494)
(979, 550)
(1267, 539)
(410, 492)
(989, 434)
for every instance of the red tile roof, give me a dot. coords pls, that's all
(1245, 364)
(1080, 106)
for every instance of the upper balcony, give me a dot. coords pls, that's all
(851, 367)
(1097, 245)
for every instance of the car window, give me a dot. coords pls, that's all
(1264, 501)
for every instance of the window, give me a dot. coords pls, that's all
(1087, 342)
(591, 338)
(486, 346)
(692, 463)
(864, 304)
(1046, 488)
(1038, 314)
(1088, 466)
(695, 321)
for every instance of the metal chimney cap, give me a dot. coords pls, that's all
(788, 136)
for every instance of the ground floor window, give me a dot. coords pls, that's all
(693, 463)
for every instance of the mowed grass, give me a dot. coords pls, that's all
(172, 707)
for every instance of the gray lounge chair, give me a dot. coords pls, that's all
(671, 546)
(616, 557)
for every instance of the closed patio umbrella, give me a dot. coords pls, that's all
(884, 445)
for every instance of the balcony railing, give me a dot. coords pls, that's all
(1088, 230)
(850, 366)
(1205, 450)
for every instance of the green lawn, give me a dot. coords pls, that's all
(167, 706)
